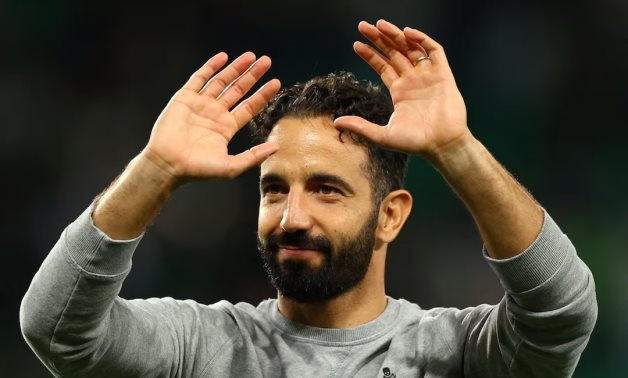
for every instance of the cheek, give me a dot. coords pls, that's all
(267, 220)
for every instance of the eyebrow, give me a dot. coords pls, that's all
(273, 178)
(332, 179)
(269, 178)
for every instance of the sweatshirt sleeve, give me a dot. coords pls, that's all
(543, 323)
(73, 319)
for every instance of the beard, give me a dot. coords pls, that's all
(343, 267)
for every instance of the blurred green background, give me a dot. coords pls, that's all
(81, 84)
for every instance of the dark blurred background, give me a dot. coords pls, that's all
(81, 84)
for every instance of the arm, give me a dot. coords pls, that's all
(506, 215)
(71, 315)
(544, 321)
(189, 141)
(430, 120)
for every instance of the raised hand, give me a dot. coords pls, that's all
(191, 136)
(429, 112)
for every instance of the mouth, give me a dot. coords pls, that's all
(296, 251)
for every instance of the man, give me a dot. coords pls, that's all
(331, 202)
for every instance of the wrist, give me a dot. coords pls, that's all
(126, 208)
(457, 154)
(156, 170)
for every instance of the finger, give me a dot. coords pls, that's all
(371, 131)
(202, 76)
(412, 50)
(398, 59)
(218, 83)
(379, 63)
(434, 50)
(252, 105)
(237, 89)
(250, 158)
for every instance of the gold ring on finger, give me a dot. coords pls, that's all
(421, 58)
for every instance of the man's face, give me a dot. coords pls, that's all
(317, 219)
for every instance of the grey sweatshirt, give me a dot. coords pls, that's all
(74, 320)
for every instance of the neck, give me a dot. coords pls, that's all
(361, 304)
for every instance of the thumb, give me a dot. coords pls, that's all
(371, 131)
(250, 158)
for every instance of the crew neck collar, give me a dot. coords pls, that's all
(356, 335)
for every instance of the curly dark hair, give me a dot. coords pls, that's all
(339, 94)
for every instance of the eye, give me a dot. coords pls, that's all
(272, 189)
(327, 190)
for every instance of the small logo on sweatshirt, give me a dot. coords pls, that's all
(388, 373)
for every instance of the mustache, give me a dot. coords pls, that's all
(301, 240)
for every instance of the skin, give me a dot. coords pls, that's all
(190, 138)
(293, 198)
(296, 195)
(430, 120)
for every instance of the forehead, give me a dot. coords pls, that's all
(312, 144)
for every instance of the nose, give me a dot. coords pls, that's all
(296, 216)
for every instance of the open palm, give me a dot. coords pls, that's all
(191, 136)
(429, 112)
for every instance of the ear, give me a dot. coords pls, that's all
(393, 213)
